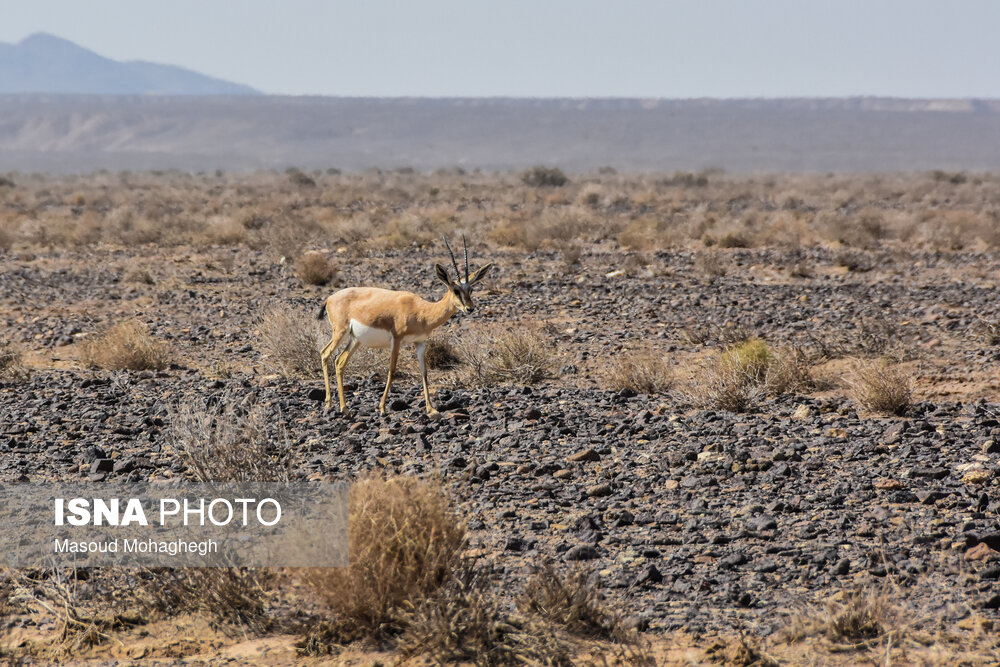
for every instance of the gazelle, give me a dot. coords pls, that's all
(374, 317)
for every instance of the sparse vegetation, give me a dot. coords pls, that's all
(442, 353)
(642, 371)
(544, 177)
(405, 544)
(520, 355)
(740, 377)
(465, 622)
(235, 596)
(12, 368)
(126, 346)
(853, 619)
(313, 268)
(290, 341)
(881, 386)
(574, 603)
(229, 444)
(887, 273)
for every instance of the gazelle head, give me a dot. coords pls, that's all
(460, 292)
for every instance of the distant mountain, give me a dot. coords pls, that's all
(43, 63)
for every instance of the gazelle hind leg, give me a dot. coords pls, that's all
(338, 368)
(328, 350)
(421, 359)
(393, 358)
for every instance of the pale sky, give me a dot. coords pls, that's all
(547, 48)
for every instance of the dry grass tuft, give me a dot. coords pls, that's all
(12, 368)
(229, 595)
(442, 353)
(81, 620)
(139, 276)
(290, 342)
(465, 622)
(711, 264)
(6, 239)
(574, 603)
(405, 544)
(740, 651)
(229, 444)
(881, 386)
(857, 620)
(313, 268)
(643, 371)
(126, 346)
(520, 354)
(745, 374)
(542, 177)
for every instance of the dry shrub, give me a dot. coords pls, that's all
(746, 373)
(300, 178)
(520, 354)
(639, 235)
(138, 276)
(852, 261)
(642, 371)
(229, 443)
(736, 238)
(881, 386)
(858, 619)
(12, 368)
(126, 346)
(442, 353)
(405, 544)
(229, 595)
(222, 230)
(313, 268)
(802, 269)
(6, 238)
(571, 252)
(513, 233)
(538, 177)
(464, 622)
(740, 651)
(290, 341)
(81, 620)
(711, 264)
(574, 603)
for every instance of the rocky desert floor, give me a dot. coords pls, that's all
(702, 523)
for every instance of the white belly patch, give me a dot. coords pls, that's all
(370, 336)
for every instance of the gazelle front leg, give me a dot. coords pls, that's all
(421, 358)
(325, 358)
(338, 368)
(393, 357)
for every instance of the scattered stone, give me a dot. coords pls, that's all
(981, 552)
(582, 552)
(599, 490)
(648, 575)
(586, 455)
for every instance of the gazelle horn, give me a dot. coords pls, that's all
(458, 274)
(466, 246)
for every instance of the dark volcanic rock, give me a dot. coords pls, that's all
(582, 552)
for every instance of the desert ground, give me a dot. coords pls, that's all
(695, 418)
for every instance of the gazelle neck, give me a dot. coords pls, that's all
(441, 311)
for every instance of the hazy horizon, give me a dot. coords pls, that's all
(558, 49)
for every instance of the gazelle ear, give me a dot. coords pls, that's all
(478, 275)
(442, 274)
